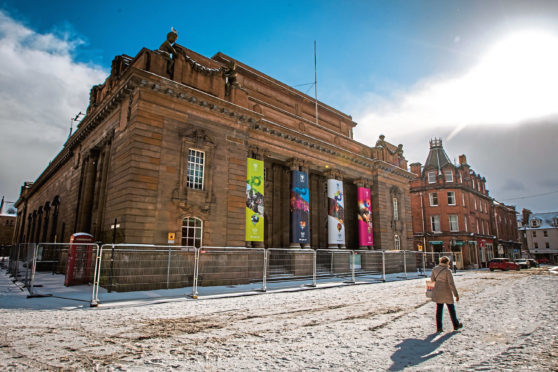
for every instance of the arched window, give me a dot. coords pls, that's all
(192, 232)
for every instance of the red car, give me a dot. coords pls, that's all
(502, 264)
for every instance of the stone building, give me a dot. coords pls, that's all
(163, 151)
(540, 231)
(7, 221)
(453, 211)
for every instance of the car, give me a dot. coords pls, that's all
(543, 260)
(533, 262)
(523, 264)
(502, 264)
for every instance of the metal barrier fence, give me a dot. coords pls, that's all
(135, 271)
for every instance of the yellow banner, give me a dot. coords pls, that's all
(255, 201)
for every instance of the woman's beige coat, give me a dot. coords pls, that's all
(444, 289)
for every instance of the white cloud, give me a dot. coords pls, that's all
(502, 113)
(41, 88)
(515, 81)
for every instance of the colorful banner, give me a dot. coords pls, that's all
(255, 201)
(336, 212)
(365, 237)
(300, 208)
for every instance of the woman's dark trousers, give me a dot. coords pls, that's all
(439, 313)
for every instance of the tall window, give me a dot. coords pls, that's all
(463, 198)
(194, 177)
(449, 175)
(534, 234)
(465, 220)
(536, 245)
(433, 199)
(451, 197)
(545, 233)
(453, 222)
(192, 229)
(397, 243)
(431, 177)
(395, 209)
(435, 223)
(547, 245)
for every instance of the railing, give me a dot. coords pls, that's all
(135, 271)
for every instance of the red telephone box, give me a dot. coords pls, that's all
(78, 266)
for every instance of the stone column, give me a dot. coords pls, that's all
(299, 205)
(336, 209)
(364, 208)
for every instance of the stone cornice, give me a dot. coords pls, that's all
(462, 187)
(316, 144)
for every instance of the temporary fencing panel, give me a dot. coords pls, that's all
(50, 270)
(226, 269)
(288, 267)
(333, 265)
(371, 268)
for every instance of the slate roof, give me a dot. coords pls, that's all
(437, 157)
(547, 220)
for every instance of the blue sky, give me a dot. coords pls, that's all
(411, 70)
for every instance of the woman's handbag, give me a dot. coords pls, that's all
(430, 284)
(429, 287)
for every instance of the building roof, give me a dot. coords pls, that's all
(437, 157)
(547, 220)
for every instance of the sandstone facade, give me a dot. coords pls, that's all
(127, 162)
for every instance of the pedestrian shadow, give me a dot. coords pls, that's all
(413, 351)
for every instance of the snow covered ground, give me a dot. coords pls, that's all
(510, 321)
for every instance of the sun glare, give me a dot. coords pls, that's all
(517, 79)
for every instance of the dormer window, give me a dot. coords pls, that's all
(555, 221)
(449, 175)
(535, 222)
(431, 177)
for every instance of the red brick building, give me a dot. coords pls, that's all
(453, 211)
(163, 150)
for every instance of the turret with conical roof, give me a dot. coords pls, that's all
(437, 157)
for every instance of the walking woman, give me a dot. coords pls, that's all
(443, 293)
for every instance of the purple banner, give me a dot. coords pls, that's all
(365, 237)
(300, 208)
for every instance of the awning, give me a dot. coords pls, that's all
(459, 242)
(436, 242)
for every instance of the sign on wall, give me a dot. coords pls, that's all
(255, 201)
(365, 235)
(300, 208)
(336, 212)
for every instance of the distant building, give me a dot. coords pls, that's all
(177, 147)
(540, 232)
(453, 212)
(8, 215)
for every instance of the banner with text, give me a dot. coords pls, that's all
(300, 208)
(365, 237)
(255, 201)
(336, 212)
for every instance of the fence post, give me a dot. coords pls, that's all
(315, 253)
(424, 264)
(168, 267)
(33, 269)
(96, 275)
(109, 289)
(383, 266)
(405, 264)
(264, 279)
(353, 266)
(196, 272)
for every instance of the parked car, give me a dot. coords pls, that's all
(543, 260)
(533, 262)
(502, 264)
(522, 263)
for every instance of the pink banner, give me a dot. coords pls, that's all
(365, 237)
